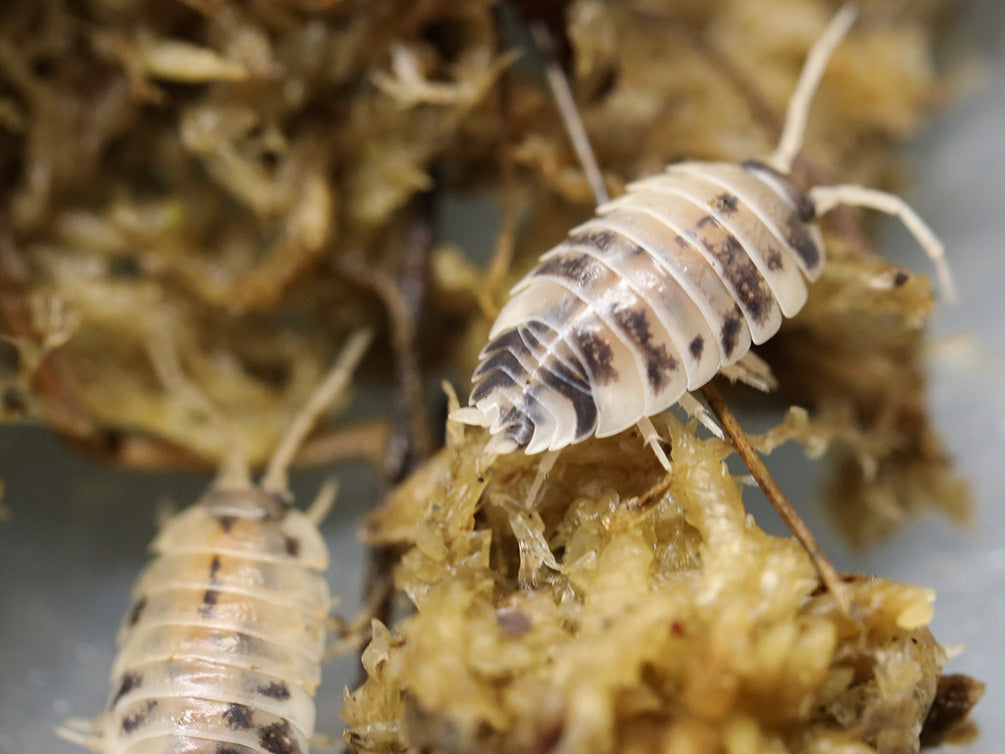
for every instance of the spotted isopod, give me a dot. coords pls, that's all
(221, 651)
(662, 289)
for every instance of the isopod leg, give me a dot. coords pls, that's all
(694, 408)
(86, 733)
(322, 505)
(826, 198)
(547, 462)
(652, 438)
(753, 371)
(349, 641)
(354, 633)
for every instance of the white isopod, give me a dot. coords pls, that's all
(221, 651)
(667, 285)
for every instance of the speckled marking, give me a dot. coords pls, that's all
(136, 720)
(276, 739)
(275, 690)
(131, 680)
(598, 354)
(659, 364)
(136, 612)
(238, 717)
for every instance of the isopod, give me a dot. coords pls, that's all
(221, 650)
(663, 288)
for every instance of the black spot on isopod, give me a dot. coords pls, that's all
(503, 361)
(543, 338)
(696, 346)
(635, 250)
(226, 522)
(539, 327)
(659, 364)
(529, 339)
(730, 332)
(275, 690)
(594, 239)
(804, 207)
(292, 545)
(798, 236)
(775, 259)
(579, 268)
(574, 376)
(209, 599)
(131, 722)
(900, 278)
(582, 401)
(496, 381)
(238, 717)
(131, 680)
(136, 611)
(519, 425)
(214, 569)
(276, 739)
(598, 355)
(738, 270)
(508, 341)
(726, 203)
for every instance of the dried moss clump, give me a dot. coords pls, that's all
(255, 180)
(610, 621)
(234, 176)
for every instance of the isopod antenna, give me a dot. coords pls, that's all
(275, 478)
(826, 198)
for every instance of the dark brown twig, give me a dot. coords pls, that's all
(403, 294)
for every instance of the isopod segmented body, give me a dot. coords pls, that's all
(668, 284)
(221, 651)
(664, 287)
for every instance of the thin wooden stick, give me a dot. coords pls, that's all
(828, 573)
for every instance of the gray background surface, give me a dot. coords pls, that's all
(77, 537)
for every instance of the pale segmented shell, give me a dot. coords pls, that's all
(222, 649)
(666, 285)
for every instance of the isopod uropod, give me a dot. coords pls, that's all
(664, 287)
(221, 651)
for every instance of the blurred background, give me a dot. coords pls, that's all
(74, 534)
